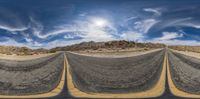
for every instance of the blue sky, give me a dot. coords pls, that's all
(51, 23)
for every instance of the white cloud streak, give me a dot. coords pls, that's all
(132, 36)
(130, 18)
(169, 36)
(145, 25)
(11, 29)
(197, 26)
(85, 29)
(155, 11)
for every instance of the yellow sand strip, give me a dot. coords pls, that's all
(156, 91)
(174, 90)
(23, 58)
(52, 93)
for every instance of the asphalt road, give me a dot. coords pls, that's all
(31, 76)
(185, 71)
(109, 75)
(115, 75)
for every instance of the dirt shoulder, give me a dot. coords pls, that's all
(116, 52)
(27, 57)
(188, 53)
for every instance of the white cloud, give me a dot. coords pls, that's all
(192, 25)
(28, 39)
(83, 14)
(36, 44)
(152, 10)
(169, 36)
(178, 22)
(32, 44)
(133, 36)
(36, 27)
(68, 37)
(59, 31)
(12, 29)
(86, 29)
(11, 42)
(139, 29)
(144, 25)
(130, 18)
(174, 22)
(58, 43)
(11, 21)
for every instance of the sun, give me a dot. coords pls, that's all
(100, 22)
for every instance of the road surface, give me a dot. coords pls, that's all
(30, 77)
(137, 74)
(185, 75)
(116, 75)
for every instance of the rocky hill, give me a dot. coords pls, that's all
(13, 50)
(107, 45)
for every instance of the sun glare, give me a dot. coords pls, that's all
(100, 22)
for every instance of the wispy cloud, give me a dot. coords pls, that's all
(130, 18)
(83, 25)
(145, 25)
(169, 36)
(155, 11)
(132, 36)
(173, 22)
(12, 29)
(11, 42)
(192, 25)
(137, 31)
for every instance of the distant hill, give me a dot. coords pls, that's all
(10, 50)
(107, 45)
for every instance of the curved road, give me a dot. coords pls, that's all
(116, 75)
(185, 74)
(102, 75)
(30, 77)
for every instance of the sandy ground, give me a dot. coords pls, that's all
(28, 57)
(192, 54)
(120, 53)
